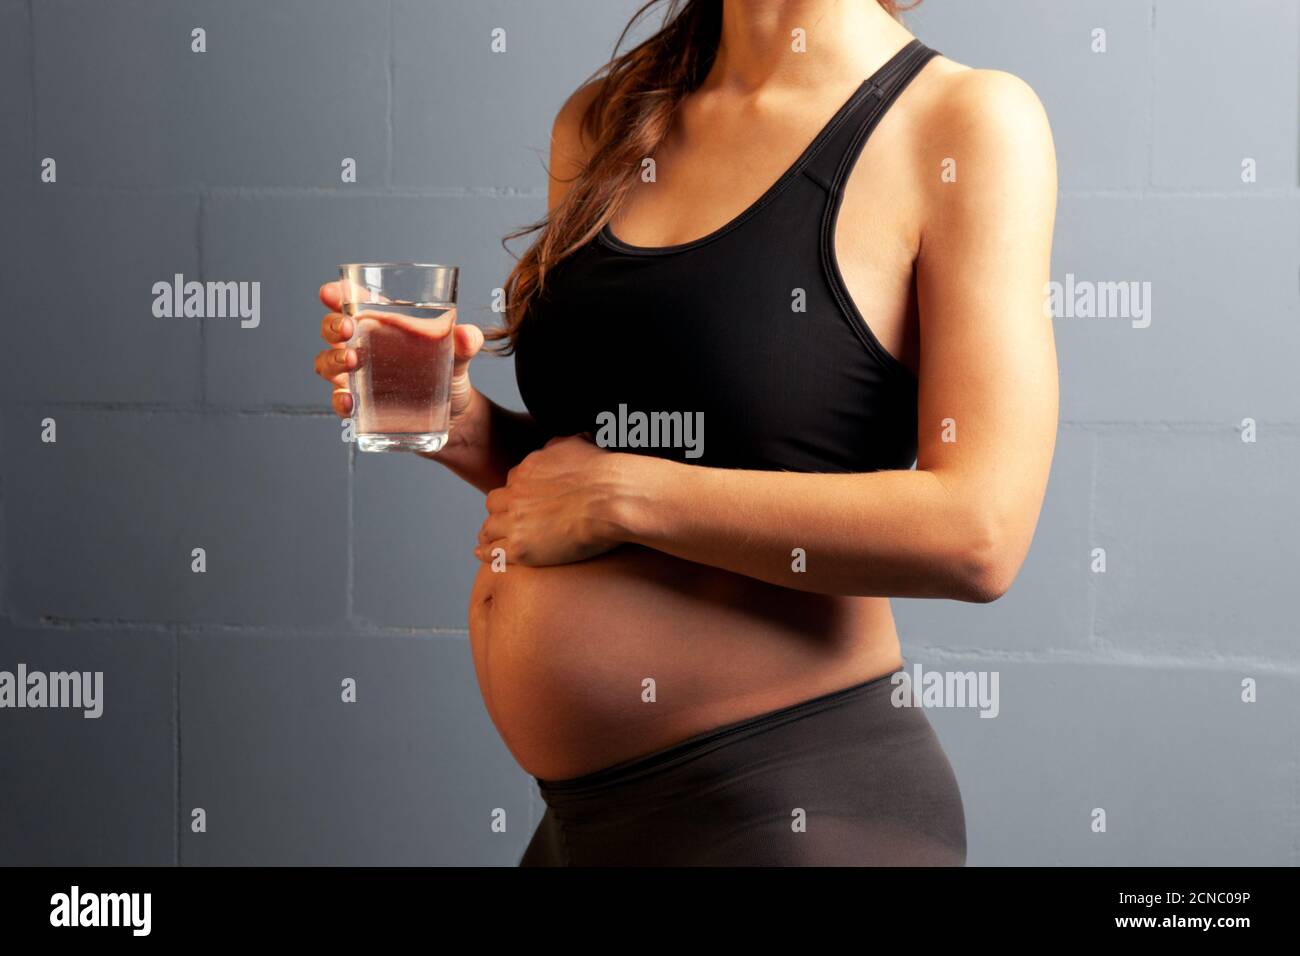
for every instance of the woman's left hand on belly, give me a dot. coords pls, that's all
(557, 506)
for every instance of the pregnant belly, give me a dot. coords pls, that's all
(585, 665)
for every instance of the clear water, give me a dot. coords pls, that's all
(402, 383)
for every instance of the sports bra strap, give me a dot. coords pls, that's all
(835, 156)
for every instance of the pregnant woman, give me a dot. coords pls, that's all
(790, 252)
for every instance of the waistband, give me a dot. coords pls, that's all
(709, 740)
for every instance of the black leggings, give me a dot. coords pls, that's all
(845, 779)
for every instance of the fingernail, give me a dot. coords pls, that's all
(337, 323)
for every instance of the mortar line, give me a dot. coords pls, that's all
(1172, 427)
(408, 191)
(203, 331)
(1108, 655)
(392, 86)
(176, 723)
(1151, 98)
(175, 408)
(1104, 653)
(534, 819)
(1184, 192)
(1094, 583)
(1295, 799)
(32, 126)
(51, 623)
(1109, 426)
(349, 600)
(4, 541)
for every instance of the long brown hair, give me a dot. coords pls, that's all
(626, 120)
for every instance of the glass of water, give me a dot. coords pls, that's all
(403, 316)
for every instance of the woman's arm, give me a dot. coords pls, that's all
(487, 441)
(959, 525)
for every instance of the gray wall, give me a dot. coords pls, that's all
(1119, 690)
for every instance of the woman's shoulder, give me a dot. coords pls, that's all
(985, 110)
(568, 128)
(571, 143)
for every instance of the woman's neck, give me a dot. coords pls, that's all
(759, 48)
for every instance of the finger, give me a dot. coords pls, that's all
(338, 381)
(332, 363)
(336, 328)
(519, 471)
(334, 294)
(331, 295)
(492, 529)
(469, 340)
(486, 552)
(497, 500)
(341, 399)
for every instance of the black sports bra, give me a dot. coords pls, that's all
(748, 331)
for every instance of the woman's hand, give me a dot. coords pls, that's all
(560, 504)
(338, 360)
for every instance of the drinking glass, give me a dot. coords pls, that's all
(403, 315)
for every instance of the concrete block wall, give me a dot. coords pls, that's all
(1120, 690)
